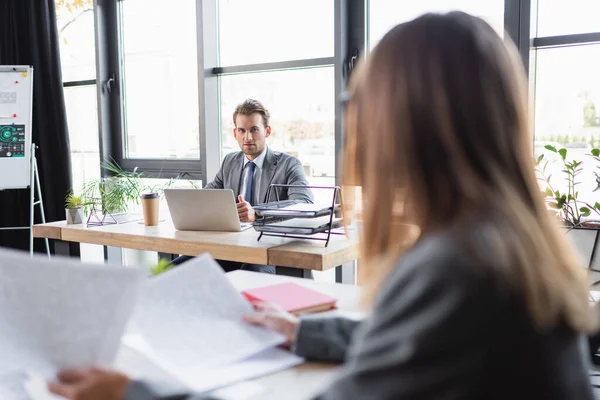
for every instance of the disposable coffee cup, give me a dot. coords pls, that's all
(150, 202)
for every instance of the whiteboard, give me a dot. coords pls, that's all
(16, 95)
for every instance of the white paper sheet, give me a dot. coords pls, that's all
(240, 391)
(264, 363)
(37, 389)
(200, 379)
(60, 313)
(12, 386)
(192, 317)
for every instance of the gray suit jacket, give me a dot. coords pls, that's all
(278, 168)
(446, 327)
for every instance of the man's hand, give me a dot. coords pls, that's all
(245, 210)
(91, 384)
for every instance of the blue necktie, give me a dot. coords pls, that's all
(249, 182)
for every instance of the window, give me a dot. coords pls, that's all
(566, 91)
(301, 103)
(559, 17)
(282, 70)
(160, 80)
(75, 22)
(385, 14)
(82, 119)
(567, 106)
(261, 31)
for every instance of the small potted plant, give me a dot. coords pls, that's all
(571, 210)
(74, 209)
(580, 218)
(121, 189)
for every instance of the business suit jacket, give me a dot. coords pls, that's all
(278, 168)
(446, 327)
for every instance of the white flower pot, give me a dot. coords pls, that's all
(74, 215)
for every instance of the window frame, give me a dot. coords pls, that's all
(83, 82)
(349, 33)
(541, 43)
(110, 100)
(351, 27)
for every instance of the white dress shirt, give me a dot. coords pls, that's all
(259, 161)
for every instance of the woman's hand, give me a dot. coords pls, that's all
(275, 318)
(90, 384)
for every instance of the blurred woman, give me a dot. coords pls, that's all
(489, 301)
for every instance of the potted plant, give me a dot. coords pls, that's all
(120, 189)
(580, 218)
(74, 208)
(571, 210)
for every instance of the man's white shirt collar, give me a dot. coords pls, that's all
(259, 161)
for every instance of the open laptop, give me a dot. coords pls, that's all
(204, 210)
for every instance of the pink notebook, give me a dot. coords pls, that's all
(292, 297)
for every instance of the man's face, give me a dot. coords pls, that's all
(251, 134)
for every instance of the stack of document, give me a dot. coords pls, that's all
(184, 326)
(301, 226)
(60, 313)
(189, 323)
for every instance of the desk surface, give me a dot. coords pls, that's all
(309, 379)
(301, 382)
(232, 246)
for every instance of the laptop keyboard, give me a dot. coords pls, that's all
(245, 225)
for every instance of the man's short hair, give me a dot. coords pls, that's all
(249, 107)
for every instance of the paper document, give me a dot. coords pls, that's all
(12, 385)
(264, 363)
(307, 222)
(200, 379)
(299, 209)
(60, 313)
(306, 207)
(191, 318)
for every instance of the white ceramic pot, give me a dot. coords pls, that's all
(74, 215)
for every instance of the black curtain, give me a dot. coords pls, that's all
(29, 36)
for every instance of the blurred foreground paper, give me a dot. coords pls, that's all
(192, 317)
(201, 379)
(60, 313)
(189, 323)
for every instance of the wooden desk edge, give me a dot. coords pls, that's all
(315, 261)
(47, 231)
(278, 255)
(166, 245)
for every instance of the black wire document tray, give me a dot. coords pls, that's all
(294, 210)
(288, 218)
(300, 226)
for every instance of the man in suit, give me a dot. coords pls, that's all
(250, 171)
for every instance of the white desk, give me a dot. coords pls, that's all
(298, 383)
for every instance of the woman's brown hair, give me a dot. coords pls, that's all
(438, 133)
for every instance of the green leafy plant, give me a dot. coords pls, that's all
(163, 265)
(120, 189)
(73, 201)
(569, 207)
(596, 156)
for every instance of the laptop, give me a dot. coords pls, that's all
(204, 210)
